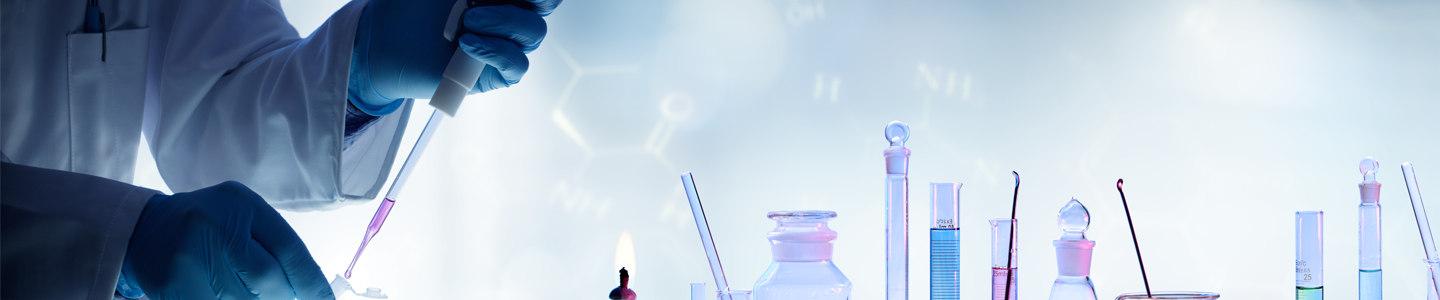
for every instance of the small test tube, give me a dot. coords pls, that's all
(1309, 255)
(1004, 260)
(944, 241)
(697, 291)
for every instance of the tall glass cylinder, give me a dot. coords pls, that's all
(897, 212)
(1004, 260)
(1309, 256)
(1371, 280)
(944, 241)
(1371, 287)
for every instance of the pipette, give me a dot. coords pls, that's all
(1418, 205)
(457, 80)
(704, 226)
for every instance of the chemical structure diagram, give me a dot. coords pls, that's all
(571, 191)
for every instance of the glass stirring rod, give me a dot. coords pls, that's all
(1418, 205)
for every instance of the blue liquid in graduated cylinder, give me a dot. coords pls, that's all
(1370, 285)
(944, 264)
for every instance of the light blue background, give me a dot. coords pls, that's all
(1224, 117)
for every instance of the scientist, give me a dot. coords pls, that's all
(237, 109)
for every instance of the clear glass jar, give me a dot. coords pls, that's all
(802, 245)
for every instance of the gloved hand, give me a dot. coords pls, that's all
(401, 50)
(220, 242)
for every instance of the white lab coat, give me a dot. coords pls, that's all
(222, 89)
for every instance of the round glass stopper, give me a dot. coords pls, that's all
(1074, 219)
(1368, 167)
(897, 133)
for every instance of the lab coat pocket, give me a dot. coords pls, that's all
(106, 100)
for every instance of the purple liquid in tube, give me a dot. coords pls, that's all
(375, 223)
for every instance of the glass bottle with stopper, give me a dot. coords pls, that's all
(1073, 252)
(803, 246)
(1370, 275)
(897, 212)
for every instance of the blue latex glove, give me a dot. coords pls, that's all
(220, 242)
(401, 51)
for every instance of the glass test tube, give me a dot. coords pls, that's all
(944, 241)
(1371, 282)
(1309, 256)
(1003, 266)
(897, 212)
(697, 291)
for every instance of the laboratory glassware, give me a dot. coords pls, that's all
(1430, 265)
(1072, 254)
(897, 212)
(944, 241)
(458, 78)
(339, 286)
(1370, 272)
(1004, 260)
(703, 225)
(1417, 204)
(1169, 296)
(733, 295)
(1309, 255)
(802, 245)
(697, 291)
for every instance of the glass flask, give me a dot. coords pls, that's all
(802, 245)
(1004, 269)
(944, 241)
(1072, 254)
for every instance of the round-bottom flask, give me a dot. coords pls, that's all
(802, 246)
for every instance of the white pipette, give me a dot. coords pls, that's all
(459, 77)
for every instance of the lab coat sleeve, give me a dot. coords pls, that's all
(63, 234)
(240, 96)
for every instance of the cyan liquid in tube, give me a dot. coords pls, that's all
(1371, 284)
(1309, 256)
(944, 241)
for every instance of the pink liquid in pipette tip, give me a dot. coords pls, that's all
(375, 223)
